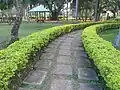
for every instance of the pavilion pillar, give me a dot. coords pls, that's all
(44, 15)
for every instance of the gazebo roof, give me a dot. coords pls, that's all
(39, 9)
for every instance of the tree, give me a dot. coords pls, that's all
(111, 5)
(19, 14)
(55, 7)
(84, 9)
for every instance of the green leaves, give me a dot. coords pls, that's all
(104, 55)
(15, 57)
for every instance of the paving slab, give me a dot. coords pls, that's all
(77, 48)
(65, 47)
(65, 60)
(63, 69)
(87, 86)
(62, 38)
(87, 74)
(61, 85)
(66, 43)
(48, 56)
(36, 77)
(83, 63)
(59, 40)
(65, 52)
(51, 50)
(43, 64)
(78, 54)
(69, 39)
(23, 89)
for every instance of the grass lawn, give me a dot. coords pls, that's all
(25, 29)
(109, 35)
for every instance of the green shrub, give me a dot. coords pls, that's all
(104, 55)
(15, 58)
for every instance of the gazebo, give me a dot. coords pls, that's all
(40, 13)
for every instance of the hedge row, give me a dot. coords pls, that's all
(15, 58)
(103, 54)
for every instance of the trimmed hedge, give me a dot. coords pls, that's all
(103, 54)
(15, 58)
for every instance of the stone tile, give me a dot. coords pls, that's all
(87, 74)
(46, 64)
(47, 56)
(83, 57)
(75, 32)
(36, 77)
(56, 42)
(67, 44)
(65, 52)
(78, 54)
(69, 39)
(59, 40)
(63, 69)
(23, 89)
(86, 86)
(83, 63)
(52, 46)
(65, 47)
(78, 48)
(27, 89)
(51, 50)
(76, 44)
(62, 38)
(61, 85)
(71, 35)
(64, 59)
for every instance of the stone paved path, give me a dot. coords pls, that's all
(63, 66)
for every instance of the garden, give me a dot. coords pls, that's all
(59, 47)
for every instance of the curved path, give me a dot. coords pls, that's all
(64, 65)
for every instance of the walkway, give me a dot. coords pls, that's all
(63, 66)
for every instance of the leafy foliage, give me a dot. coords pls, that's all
(14, 58)
(104, 55)
(4, 4)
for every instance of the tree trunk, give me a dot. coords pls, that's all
(83, 14)
(67, 11)
(54, 16)
(76, 10)
(97, 10)
(15, 29)
(86, 14)
(17, 23)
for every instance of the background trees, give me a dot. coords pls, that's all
(55, 7)
(90, 8)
